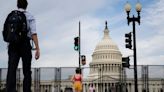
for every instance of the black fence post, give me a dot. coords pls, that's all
(0, 78)
(57, 83)
(18, 79)
(37, 80)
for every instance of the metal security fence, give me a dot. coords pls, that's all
(3, 73)
(58, 79)
(154, 71)
(150, 77)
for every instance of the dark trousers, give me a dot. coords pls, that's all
(16, 52)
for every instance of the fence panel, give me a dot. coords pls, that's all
(58, 79)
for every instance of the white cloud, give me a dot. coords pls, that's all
(59, 51)
(150, 48)
(154, 14)
(152, 60)
(153, 17)
(64, 8)
(3, 59)
(57, 25)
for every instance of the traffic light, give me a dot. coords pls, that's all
(128, 40)
(83, 59)
(125, 62)
(76, 43)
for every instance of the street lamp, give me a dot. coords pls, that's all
(133, 20)
(138, 7)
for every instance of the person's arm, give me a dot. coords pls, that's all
(72, 79)
(32, 28)
(81, 77)
(35, 39)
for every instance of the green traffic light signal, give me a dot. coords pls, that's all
(76, 43)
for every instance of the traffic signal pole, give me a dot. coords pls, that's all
(79, 47)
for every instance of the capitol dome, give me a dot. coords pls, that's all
(106, 43)
(106, 57)
(106, 50)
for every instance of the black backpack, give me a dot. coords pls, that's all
(15, 27)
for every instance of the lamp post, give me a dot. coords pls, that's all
(133, 20)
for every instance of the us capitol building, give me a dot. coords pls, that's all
(106, 73)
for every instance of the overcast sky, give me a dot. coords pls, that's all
(57, 25)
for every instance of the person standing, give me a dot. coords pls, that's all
(77, 80)
(91, 88)
(22, 50)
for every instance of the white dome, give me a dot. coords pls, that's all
(106, 57)
(106, 50)
(106, 44)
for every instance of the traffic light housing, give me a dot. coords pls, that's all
(76, 43)
(83, 59)
(128, 40)
(125, 62)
